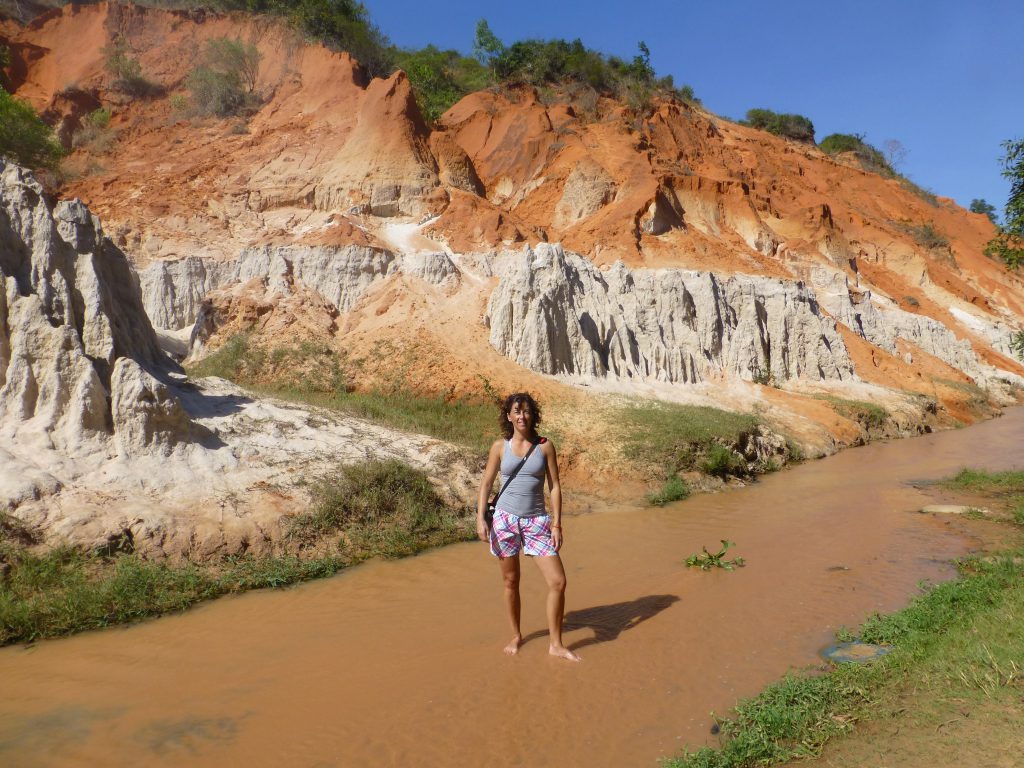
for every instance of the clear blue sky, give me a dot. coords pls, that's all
(944, 78)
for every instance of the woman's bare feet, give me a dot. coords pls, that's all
(513, 646)
(563, 653)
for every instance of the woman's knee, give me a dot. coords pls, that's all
(511, 580)
(557, 582)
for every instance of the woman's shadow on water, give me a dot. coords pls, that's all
(610, 621)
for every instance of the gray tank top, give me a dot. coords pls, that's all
(524, 496)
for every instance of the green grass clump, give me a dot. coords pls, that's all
(925, 194)
(1007, 486)
(723, 462)
(978, 400)
(376, 508)
(868, 415)
(465, 422)
(707, 560)
(228, 362)
(675, 489)
(978, 480)
(66, 590)
(381, 508)
(675, 436)
(870, 157)
(964, 632)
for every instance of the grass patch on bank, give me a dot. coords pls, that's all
(66, 590)
(868, 415)
(380, 508)
(677, 436)
(1005, 487)
(314, 374)
(1010, 482)
(674, 489)
(372, 509)
(961, 635)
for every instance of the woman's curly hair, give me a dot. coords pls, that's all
(520, 399)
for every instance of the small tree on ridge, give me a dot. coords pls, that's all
(1008, 245)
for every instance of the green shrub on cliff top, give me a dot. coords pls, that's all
(796, 127)
(540, 62)
(871, 159)
(1008, 245)
(24, 137)
(440, 78)
(343, 25)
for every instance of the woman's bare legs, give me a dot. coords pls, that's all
(510, 573)
(554, 574)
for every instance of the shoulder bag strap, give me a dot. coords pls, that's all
(515, 471)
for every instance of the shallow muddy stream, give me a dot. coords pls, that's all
(400, 663)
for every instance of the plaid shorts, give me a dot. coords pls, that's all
(510, 534)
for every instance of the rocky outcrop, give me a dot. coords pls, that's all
(173, 291)
(713, 206)
(146, 415)
(556, 313)
(70, 320)
(385, 167)
(884, 325)
(455, 169)
(588, 188)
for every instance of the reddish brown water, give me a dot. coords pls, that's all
(400, 663)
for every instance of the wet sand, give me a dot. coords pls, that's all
(400, 663)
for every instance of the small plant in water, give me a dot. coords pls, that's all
(707, 560)
(844, 635)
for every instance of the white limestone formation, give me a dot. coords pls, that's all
(555, 312)
(883, 324)
(69, 314)
(145, 413)
(173, 291)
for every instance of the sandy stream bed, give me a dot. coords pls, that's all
(399, 663)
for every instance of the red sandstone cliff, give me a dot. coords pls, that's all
(331, 158)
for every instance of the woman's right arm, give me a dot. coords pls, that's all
(490, 472)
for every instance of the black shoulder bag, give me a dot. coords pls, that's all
(493, 501)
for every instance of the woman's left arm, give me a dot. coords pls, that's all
(555, 487)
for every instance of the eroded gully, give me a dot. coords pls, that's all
(400, 663)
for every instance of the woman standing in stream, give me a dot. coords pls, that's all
(521, 523)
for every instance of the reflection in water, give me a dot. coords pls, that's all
(400, 663)
(56, 729)
(186, 735)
